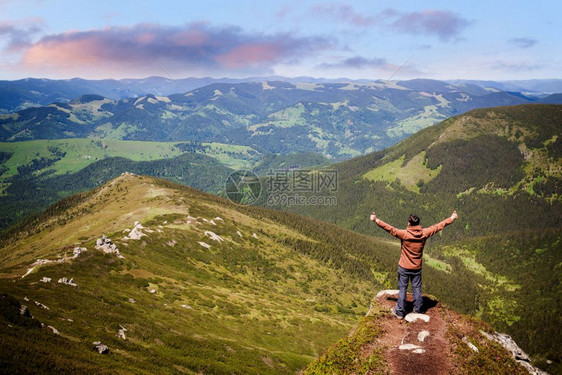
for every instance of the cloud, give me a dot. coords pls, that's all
(343, 13)
(358, 62)
(442, 23)
(381, 65)
(523, 42)
(20, 34)
(195, 48)
(515, 67)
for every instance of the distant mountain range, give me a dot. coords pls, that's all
(338, 120)
(33, 92)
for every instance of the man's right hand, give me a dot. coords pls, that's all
(374, 217)
(454, 216)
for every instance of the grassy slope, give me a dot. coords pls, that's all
(267, 303)
(81, 152)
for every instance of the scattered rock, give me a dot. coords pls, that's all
(152, 291)
(54, 330)
(41, 305)
(121, 332)
(45, 280)
(238, 233)
(26, 299)
(64, 280)
(470, 345)
(414, 348)
(254, 235)
(172, 242)
(101, 348)
(423, 335)
(209, 221)
(135, 233)
(412, 317)
(77, 251)
(107, 246)
(389, 292)
(204, 244)
(25, 311)
(132, 300)
(218, 218)
(187, 307)
(213, 236)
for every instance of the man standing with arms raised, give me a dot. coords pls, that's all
(410, 265)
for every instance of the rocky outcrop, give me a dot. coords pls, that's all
(107, 246)
(518, 354)
(135, 233)
(121, 332)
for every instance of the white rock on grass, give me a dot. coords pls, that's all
(135, 233)
(132, 300)
(54, 330)
(100, 348)
(41, 305)
(107, 246)
(45, 280)
(213, 236)
(187, 307)
(204, 244)
(412, 317)
(209, 221)
(64, 280)
(121, 332)
(238, 233)
(254, 235)
(470, 345)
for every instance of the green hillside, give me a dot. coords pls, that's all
(27, 193)
(203, 285)
(501, 169)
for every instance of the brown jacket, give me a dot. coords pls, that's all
(413, 240)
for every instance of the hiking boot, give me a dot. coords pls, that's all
(393, 311)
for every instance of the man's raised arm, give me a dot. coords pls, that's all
(430, 231)
(387, 227)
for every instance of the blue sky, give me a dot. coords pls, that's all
(496, 40)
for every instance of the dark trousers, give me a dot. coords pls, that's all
(405, 276)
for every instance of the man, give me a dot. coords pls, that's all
(410, 265)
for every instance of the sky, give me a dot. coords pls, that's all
(375, 39)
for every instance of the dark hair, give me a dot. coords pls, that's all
(414, 219)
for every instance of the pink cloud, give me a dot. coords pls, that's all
(194, 47)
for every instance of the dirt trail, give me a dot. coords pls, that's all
(431, 353)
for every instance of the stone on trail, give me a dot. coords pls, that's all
(412, 317)
(389, 292)
(423, 335)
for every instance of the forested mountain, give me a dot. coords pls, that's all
(501, 169)
(338, 120)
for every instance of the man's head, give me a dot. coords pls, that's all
(413, 219)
